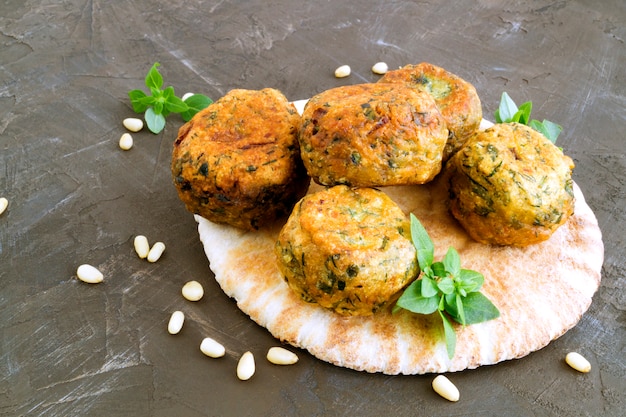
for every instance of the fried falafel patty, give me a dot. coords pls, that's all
(371, 135)
(237, 162)
(509, 185)
(456, 98)
(347, 249)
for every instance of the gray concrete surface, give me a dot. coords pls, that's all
(70, 349)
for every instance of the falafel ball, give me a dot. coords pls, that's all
(456, 98)
(370, 135)
(237, 162)
(347, 249)
(509, 185)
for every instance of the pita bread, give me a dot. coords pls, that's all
(541, 291)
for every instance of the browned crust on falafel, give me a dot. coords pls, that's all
(347, 249)
(372, 135)
(238, 161)
(509, 185)
(456, 98)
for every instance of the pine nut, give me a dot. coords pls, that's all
(193, 291)
(126, 142)
(444, 387)
(245, 366)
(89, 274)
(156, 251)
(176, 322)
(4, 203)
(578, 362)
(212, 348)
(186, 96)
(133, 124)
(281, 356)
(343, 71)
(380, 68)
(142, 247)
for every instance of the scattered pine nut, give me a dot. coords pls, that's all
(142, 247)
(444, 387)
(186, 96)
(156, 251)
(343, 71)
(578, 362)
(281, 356)
(126, 142)
(89, 274)
(245, 366)
(133, 124)
(176, 322)
(380, 68)
(212, 348)
(4, 203)
(193, 291)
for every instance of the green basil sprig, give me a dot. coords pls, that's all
(509, 112)
(444, 287)
(160, 103)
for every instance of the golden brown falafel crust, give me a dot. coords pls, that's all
(238, 162)
(509, 185)
(456, 98)
(371, 135)
(349, 250)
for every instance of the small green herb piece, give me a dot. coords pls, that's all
(508, 112)
(194, 104)
(160, 103)
(446, 288)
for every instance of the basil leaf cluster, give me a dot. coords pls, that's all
(160, 103)
(445, 288)
(508, 112)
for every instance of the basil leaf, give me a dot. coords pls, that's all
(452, 262)
(478, 308)
(452, 307)
(168, 93)
(470, 280)
(549, 129)
(154, 78)
(523, 114)
(176, 105)
(553, 129)
(154, 121)
(195, 103)
(496, 116)
(537, 125)
(422, 242)
(156, 93)
(428, 287)
(139, 100)
(507, 109)
(446, 285)
(460, 309)
(439, 270)
(449, 334)
(509, 112)
(412, 300)
(450, 304)
(158, 107)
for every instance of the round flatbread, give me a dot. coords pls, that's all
(541, 291)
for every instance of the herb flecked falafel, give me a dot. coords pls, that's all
(237, 162)
(509, 185)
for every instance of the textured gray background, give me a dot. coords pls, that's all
(67, 348)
